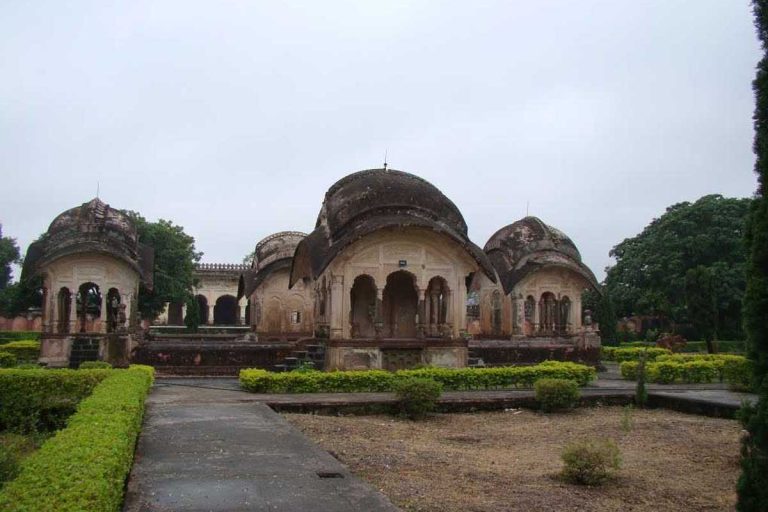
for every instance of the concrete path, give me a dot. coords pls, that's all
(217, 450)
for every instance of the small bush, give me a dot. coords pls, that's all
(417, 397)
(556, 394)
(7, 360)
(621, 354)
(590, 462)
(25, 350)
(94, 365)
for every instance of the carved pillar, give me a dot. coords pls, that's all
(422, 314)
(73, 320)
(184, 313)
(448, 298)
(537, 316)
(103, 311)
(241, 316)
(209, 320)
(433, 314)
(337, 307)
(378, 319)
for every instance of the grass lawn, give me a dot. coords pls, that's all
(501, 461)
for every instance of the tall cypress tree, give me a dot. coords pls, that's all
(752, 488)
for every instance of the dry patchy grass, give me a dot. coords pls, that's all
(501, 461)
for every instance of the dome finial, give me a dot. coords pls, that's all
(385, 159)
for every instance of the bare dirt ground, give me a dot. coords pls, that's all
(502, 461)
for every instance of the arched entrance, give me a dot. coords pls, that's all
(202, 307)
(548, 313)
(400, 304)
(225, 310)
(64, 305)
(113, 307)
(88, 306)
(363, 301)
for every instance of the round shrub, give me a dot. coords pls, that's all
(555, 394)
(94, 365)
(416, 396)
(591, 461)
(7, 360)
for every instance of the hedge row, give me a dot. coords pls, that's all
(84, 466)
(720, 346)
(262, 381)
(25, 351)
(6, 336)
(620, 354)
(694, 368)
(41, 400)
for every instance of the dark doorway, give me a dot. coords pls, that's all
(65, 306)
(88, 306)
(225, 310)
(400, 304)
(363, 300)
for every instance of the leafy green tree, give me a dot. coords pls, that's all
(752, 488)
(701, 302)
(175, 258)
(192, 320)
(9, 255)
(603, 313)
(650, 271)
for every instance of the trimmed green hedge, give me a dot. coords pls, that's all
(6, 336)
(262, 381)
(720, 346)
(25, 350)
(7, 360)
(694, 368)
(556, 394)
(41, 400)
(621, 354)
(84, 466)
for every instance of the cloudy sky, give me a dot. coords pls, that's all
(233, 118)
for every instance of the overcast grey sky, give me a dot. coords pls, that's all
(233, 118)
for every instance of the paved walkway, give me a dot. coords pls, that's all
(216, 450)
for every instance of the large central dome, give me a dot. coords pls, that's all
(386, 192)
(366, 201)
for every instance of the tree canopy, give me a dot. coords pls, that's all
(175, 258)
(649, 277)
(752, 491)
(9, 254)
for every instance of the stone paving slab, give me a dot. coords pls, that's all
(206, 450)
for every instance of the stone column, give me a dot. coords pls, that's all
(378, 320)
(103, 313)
(448, 297)
(163, 317)
(434, 314)
(210, 313)
(422, 312)
(184, 313)
(74, 322)
(241, 317)
(537, 316)
(337, 307)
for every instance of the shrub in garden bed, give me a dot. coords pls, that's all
(621, 354)
(417, 396)
(92, 365)
(262, 381)
(556, 394)
(590, 462)
(41, 400)
(26, 351)
(7, 360)
(84, 466)
(694, 368)
(6, 336)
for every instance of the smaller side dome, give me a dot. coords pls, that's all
(271, 253)
(524, 246)
(92, 227)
